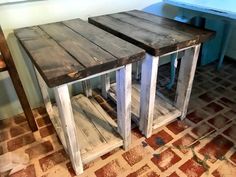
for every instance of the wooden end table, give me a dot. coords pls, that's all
(159, 37)
(71, 51)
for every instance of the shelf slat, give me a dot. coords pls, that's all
(95, 129)
(164, 112)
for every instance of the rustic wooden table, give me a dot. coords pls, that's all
(158, 36)
(69, 51)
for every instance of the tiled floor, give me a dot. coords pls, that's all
(204, 144)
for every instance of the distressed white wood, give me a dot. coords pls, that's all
(185, 79)
(123, 91)
(87, 88)
(68, 124)
(105, 83)
(148, 92)
(44, 92)
(94, 127)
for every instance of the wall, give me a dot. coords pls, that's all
(39, 12)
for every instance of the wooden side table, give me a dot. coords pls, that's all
(159, 37)
(71, 51)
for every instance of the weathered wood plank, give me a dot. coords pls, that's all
(54, 64)
(87, 87)
(91, 139)
(148, 92)
(164, 111)
(201, 34)
(85, 52)
(105, 84)
(185, 79)
(139, 37)
(157, 35)
(8, 61)
(68, 124)
(123, 91)
(110, 43)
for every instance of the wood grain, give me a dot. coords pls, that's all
(72, 50)
(157, 35)
(10, 66)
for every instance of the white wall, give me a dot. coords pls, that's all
(39, 12)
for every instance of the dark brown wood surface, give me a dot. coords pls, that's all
(70, 50)
(157, 35)
(10, 66)
(2, 64)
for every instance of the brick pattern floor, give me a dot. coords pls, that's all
(204, 144)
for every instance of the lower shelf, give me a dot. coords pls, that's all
(164, 112)
(95, 129)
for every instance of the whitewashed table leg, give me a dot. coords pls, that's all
(87, 88)
(185, 79)
(44, 92)
(123, 91)
(68, 124)
(105, 81)
(148, 92)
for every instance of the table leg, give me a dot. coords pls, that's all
(137, 72)
(185, 79)
(105, 81)
(148, 92)
(123, 91)
(227, 33)
(68, 125)
(87, 88)
(172, 70)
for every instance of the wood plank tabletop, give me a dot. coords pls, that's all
(157, 35)
(71, 50)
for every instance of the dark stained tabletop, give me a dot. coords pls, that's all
(157, 35)
(70, 50)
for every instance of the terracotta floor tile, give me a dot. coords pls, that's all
(27, 172)
(177, 126)
(19, 129)
(197, 116)
(110, 153)
(231, 114)
(225, 170)
(231, 132)
(174, 175)
(192, 169)
(216, 148)
(112, 169)
(151, 174)
(159, 139)
(208, 96)
(20, 119)
(213, 108)
(166, 159)
(233, 158)
(140, 171)
(19, 142)
(3, 136)
(219, 121)
(227, 102)
(53, 159)
(39, 149)
(202, 129)
(134, 155)
(46, 131)
(43, 121)
(184, 143)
